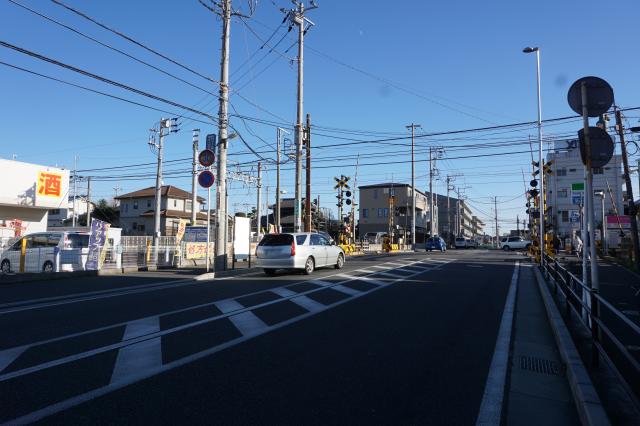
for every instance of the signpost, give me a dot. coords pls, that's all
(206, 179)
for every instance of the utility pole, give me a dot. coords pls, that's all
(448, 209)
(89, 202)
(194, 179)
(413, 126)
(298, 18)
(279, 132)
(156, 216)
(627, 181)
(495, 203)
(116, 189)
(75, 190)
(220, 262)
(307, 204)
(431, 192)
(259, 201)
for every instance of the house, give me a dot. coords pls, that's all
(58, 216)
(376, 213)
(137, 210)
(565, 188)
(287, 206)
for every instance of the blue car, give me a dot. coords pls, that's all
(436, 243)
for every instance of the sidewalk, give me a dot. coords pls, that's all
(538, 391)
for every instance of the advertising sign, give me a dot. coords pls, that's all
(197, 250)
(241, 236)
(50, 184)
(180, 232)
(574, 216)
(577, 193)
(617, 222)
(97, 239)
(195, 234)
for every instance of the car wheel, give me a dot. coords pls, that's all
(269, 271)
(47, 267)
(505, 248)
(309, 266)
(6, 266)
(340, 261)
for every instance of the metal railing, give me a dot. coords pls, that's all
(612, 332)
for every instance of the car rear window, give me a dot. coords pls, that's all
(78, 240)
(276, 240)
(459, 239)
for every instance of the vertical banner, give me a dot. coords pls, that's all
(97, 241)
(182, 226)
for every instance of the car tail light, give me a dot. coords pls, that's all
(293, 249)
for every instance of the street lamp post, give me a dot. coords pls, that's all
(540, 160)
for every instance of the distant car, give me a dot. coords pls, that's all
(40, 252)
(436, 243)
(299, 251)
(375, 237)
(514, 243)
(460, 243)
(471, 243)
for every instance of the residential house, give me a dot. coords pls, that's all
(137, 210)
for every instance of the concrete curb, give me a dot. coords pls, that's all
(586, 398)
(226, 274)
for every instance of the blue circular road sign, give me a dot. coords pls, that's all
(206, 179)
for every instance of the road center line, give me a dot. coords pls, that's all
(492, 400)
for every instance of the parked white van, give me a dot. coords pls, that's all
(48, 252)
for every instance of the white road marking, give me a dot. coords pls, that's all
(366, 271)
(283, 292)
(145, 356)
(248, 323)
(493, 397)
(379, 267)
(389, 274)
(321, 283)
(141, 327)
(7, 356)
(346, 290)
(372, 281)
(308, 303)
(228, 305)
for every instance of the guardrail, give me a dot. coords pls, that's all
(612, 332)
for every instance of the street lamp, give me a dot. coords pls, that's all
(540, 161)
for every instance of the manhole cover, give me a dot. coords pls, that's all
(541, 365)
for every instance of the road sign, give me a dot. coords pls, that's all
(211, 142)
(206, 179)
(601, 146)
(599, 96)
(206, 157)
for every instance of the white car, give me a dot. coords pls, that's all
(300, 251)
(460, 243)
(514, 243)
(71, 249)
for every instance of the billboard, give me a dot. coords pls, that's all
(577, 193)
(33, 185)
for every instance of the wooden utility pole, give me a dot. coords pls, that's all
(307, 204)
(627, 181)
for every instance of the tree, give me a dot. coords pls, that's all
(103, 211)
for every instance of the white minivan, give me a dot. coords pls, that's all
(48, 252)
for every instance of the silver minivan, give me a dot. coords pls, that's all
(299, 251)
(48, 252)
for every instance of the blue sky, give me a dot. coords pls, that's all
(446, 66)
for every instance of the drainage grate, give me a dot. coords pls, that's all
(540, 365)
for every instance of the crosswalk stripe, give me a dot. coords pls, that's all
(141, 327)
(372, 281)
(308, 303)
(248, 323)
(7, 356)
(228, 305)
(138, 358)
(389, 274)
(321, 283)
(346, 290)
(283, 292)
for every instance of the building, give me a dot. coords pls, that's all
(375, 213)
(137, 210)
(27, 193)
(287, 206)
(457, 219)
(58, 216)
(565, 188)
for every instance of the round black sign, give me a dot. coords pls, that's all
(599, 96)
(601, 146)
(206, 157)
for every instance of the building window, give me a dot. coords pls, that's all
(572, 170)
(365, 212)
(126, 207)
(379, 212)
(54, 211)
(565, 215)
(375, 194)
(563, 193)
(561, 172)
(134, 226)
(386, 212)
(135, 205)
(148, 203)
(188, 206)
(175, 203)
(598, 170)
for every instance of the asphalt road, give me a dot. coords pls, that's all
(405, 338)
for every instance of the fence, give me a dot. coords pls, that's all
(612, 332)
